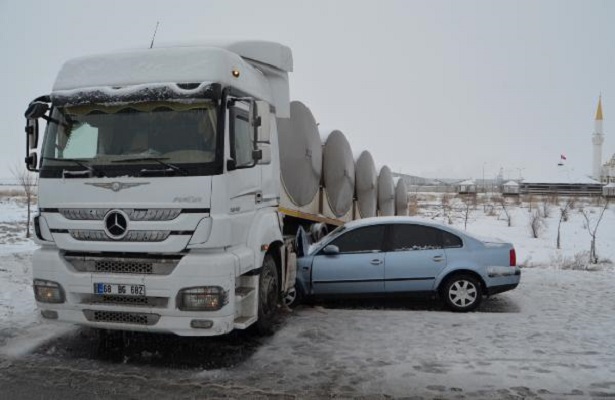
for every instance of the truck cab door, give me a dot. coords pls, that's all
(244, 183)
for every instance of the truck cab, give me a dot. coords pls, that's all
(159, 188)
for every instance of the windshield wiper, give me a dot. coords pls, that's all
(159, 160)
(90, 170)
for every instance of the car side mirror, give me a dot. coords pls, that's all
(331, 250)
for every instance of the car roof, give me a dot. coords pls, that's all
(398, 220)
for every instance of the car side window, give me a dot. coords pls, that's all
(451, 241)
(362, 240)
(406, 237)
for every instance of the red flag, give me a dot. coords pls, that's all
(563, 156)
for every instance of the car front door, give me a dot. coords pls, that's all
(414, 258)
(357, 268)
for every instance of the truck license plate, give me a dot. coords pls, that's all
(119, 289)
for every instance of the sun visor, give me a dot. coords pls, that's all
(173, 92)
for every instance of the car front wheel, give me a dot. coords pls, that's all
(462, 293)
(293, 297)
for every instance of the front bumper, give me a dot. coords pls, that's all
(158, 311)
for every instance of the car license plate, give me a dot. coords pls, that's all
(119, 289)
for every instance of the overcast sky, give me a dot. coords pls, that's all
(432, 88)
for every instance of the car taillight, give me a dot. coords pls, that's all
(513, 258)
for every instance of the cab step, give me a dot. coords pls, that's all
(246, 301)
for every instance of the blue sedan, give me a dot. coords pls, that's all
(403, 255)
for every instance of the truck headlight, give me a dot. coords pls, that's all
(204, 298)
(48, 291)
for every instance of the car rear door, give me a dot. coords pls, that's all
(414, 258)
(357, 269)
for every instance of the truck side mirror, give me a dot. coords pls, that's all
(265, 154)
(32, 162)
(32, 133)
(262, 121)
(36, 110)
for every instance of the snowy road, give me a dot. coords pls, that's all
(551, 338)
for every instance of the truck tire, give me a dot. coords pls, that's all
(268, 296)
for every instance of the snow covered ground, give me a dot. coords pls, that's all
(552, 337)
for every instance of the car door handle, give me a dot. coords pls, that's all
(376, 261)
(438, 258)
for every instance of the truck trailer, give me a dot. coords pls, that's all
(172, 183)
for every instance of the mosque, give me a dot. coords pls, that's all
(565, 181)
(604, 174)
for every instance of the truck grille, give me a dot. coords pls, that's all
(122, 264)
(154, 302)
(121, 317)
(123, 267)
(97, 214)
(92, 235)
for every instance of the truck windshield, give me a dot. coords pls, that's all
(128, 136)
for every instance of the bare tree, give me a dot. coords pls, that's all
(468, 203)
(27, 181)
(530, 200)
(563, 217)
(413, 205)
(593, 230)
(536, 224)
(546, 207)
(501, 200)
(445, 203)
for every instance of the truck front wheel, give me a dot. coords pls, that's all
(268, 296)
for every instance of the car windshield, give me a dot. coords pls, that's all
(131, 134)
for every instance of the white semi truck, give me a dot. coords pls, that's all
(172, 181)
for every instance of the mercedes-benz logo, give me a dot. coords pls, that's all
(116, 224)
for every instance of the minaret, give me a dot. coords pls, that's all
(597, 140)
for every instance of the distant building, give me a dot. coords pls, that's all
(608, 171)
(466, 187)
(511, 188)
(561, 181)
(597, 140)
(602, 173)
(609, 190)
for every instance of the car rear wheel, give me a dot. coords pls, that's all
(462, 293)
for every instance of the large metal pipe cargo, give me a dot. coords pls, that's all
(338, 172)
(401, 197)
(386, 192)
(366, 185)
(300, 154)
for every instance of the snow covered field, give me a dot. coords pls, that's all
(553, 337)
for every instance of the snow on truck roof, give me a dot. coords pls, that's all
(188, 63)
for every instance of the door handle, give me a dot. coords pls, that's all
(438, 258)
(376, 261)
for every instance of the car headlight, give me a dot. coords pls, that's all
(48, 291)
(204, 298)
